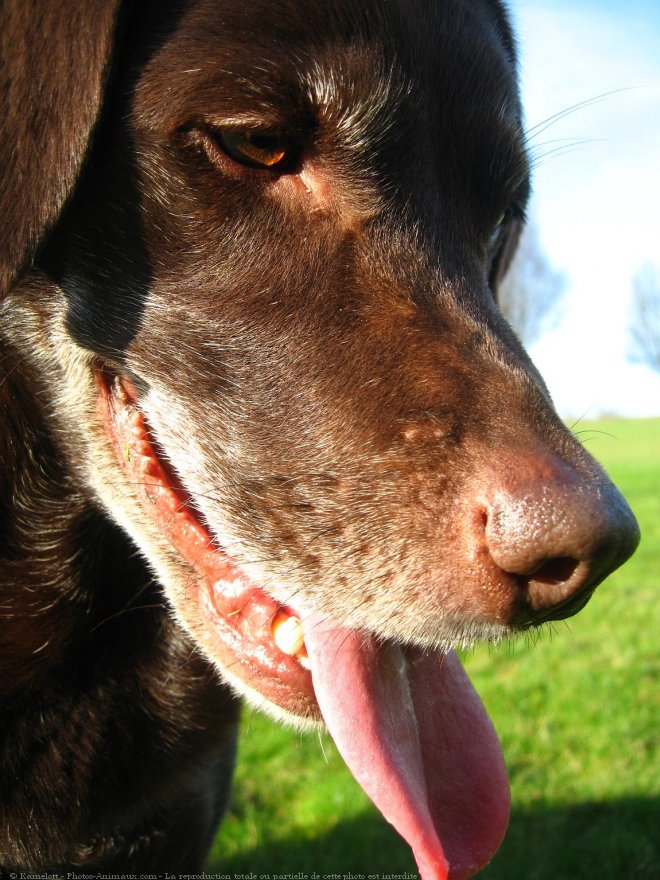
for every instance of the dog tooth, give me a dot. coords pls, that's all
(288, 635)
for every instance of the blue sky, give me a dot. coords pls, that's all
(597, 204)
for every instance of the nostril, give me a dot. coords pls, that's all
(556, 589)
(555, 571)
(550, 591)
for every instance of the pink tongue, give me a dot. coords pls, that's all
(417, 738)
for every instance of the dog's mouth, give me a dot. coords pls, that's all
(408, 722)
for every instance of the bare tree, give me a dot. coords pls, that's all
(645, 317)
(531, 293)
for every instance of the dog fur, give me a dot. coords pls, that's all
(318, 352)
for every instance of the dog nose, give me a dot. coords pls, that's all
(556, 535)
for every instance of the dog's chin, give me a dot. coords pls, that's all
(406, 719)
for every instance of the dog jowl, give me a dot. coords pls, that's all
(249, 327)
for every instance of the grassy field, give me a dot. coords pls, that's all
(578, 712)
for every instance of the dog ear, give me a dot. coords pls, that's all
(54, 61)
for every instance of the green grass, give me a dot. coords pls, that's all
(578, 712)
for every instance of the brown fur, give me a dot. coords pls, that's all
(318, 353)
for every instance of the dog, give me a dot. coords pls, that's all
(265, 434)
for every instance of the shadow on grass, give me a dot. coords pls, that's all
(612, 841)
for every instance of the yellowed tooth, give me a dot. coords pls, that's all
(288, 635)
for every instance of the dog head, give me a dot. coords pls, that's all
(262, 271)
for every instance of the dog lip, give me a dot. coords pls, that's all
(525, 618)
(235, 611)
(569, 607)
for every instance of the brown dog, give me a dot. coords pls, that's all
(248, 327)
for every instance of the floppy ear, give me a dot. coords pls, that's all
(54, 61)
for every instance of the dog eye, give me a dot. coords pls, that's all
(256, 149)
(497, 231)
